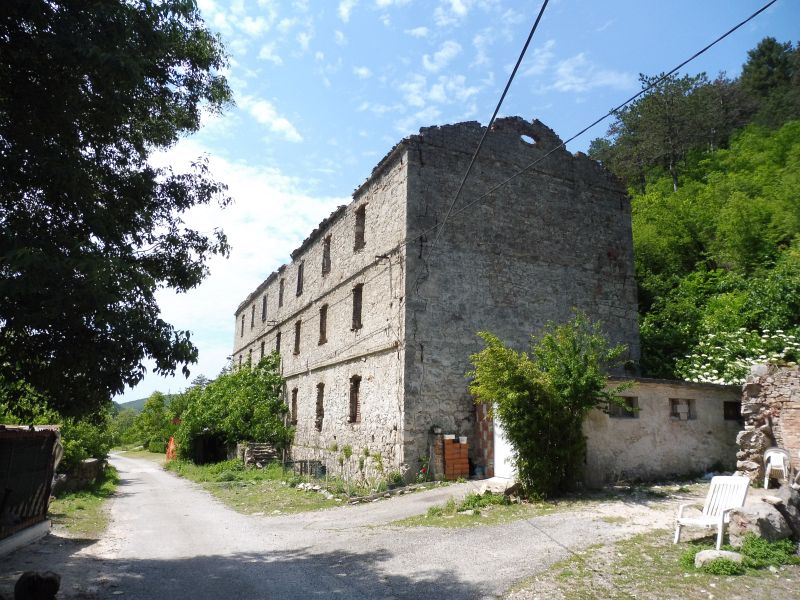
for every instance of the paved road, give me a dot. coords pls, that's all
(170, 539)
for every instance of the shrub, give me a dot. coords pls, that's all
(724, 566)
(542, 399)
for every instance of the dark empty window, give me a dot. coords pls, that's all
(240, 361)
(358, 295)
(300, 269)
(320, 416)
(250, 356)
(278, 342)
(252, 316)
(297, 338)
(355, 399)
(241, 333)
(630, 410)
(280, 293)
(323, 323)
(262, 350)
(326, 255)
(361, 221)
(732, 411)
(293, 411)
(264, 307)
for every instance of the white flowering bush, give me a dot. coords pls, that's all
(726, 357)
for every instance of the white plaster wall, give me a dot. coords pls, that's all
(654, 445)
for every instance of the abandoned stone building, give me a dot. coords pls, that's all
(375, 322)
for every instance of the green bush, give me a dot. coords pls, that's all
(760, 553)
(542, 399)
(724, 566)
(476, 501)
(83, 439)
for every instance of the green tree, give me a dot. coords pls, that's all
(542, 398)
(90, 229)
(246, 404)
(153, 424)
(123, 427)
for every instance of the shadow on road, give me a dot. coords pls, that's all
(301, 573)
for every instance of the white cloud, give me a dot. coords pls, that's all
(345, 8)
(418, 32)
(414, 90)
(447, 89)
(267, 53)
(387, 3)
(412, 123)
(442, 57)
(340, 38)
(319, 55)
(264, 112)
(481, 42)
(253, 26)
(606, 25)
(304, 39)
(540, 59)
(270, 216)
(578, 74)
(362, 72)
(451, 12)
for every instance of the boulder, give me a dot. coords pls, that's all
(763, 520)
(786, 501)
(706, 556)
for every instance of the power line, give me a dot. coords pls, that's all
(588, 127)
(488, 126)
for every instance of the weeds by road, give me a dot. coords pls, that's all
(82, 514)
(253, 491)
(649, 565)
(139, 452)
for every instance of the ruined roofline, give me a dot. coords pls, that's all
(678, 382)
(542, 135)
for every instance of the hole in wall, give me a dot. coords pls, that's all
(526, 139)
(373, 437)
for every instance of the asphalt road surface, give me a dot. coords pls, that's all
(170, 539)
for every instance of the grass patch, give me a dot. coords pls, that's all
(82, 514)
(477, 509)
(650, 566)
(247, 490)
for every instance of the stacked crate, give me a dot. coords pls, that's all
(456, 461)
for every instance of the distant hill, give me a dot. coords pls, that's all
(138, 405)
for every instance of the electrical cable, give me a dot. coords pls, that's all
(488, 126)
(597, 121)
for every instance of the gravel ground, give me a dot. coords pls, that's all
(170, 539)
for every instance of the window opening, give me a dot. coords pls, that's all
(262, 350)
(297, 338)
(300, 269)
(682, 409)
(250, 356)
(252, 316)
(355, 400)
(278, 342)
(361, 221)
(326, 255)
(241, 332)
(280, 293)
(732, 410)
(358, 294)
(320, 416)
(293, 411)
(323, 324)
(264, 307)
(629, 411)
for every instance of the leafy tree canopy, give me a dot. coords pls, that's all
(90, 230)
(245, 404)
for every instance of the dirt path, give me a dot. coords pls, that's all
(170, 539)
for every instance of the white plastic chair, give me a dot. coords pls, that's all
(725, 493)
(777, 465)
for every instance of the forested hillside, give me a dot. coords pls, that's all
(713, 168)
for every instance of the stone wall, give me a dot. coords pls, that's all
(557, 237)
(370, 351)
(771, 412)
(658, 441)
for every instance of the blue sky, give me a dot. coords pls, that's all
(324, 88)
